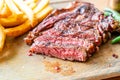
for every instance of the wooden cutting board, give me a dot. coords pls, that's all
(15, 64)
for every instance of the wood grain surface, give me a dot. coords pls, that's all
(15, 64)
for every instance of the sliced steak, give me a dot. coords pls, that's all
(78, 8)
(74, 33)
(63, 47)
(92, 35)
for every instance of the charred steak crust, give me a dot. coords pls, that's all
(74, 33)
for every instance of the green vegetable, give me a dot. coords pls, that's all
(106, 13)
(114, 13)
(116, 40)
(116, 16)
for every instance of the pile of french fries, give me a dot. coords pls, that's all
(19, 16)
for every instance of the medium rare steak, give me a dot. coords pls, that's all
(63, 47)
(74, 33)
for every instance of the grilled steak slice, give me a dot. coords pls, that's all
(77, 9)
(74, 33)
(63, 47)
(92, 35)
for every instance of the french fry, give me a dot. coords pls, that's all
(1, 4)
(18, 30)
(12, 7)
(41, 5)
(23, 28)
(2, 37)
(41, 15)
(5, 12)
(13, 20)
(19, 16)
(28, 2)
(32, 5)
(36, 1)
(28, 11)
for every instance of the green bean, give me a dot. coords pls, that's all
(116, 16)
(114, 13)
(106, 13)
(116, 40)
